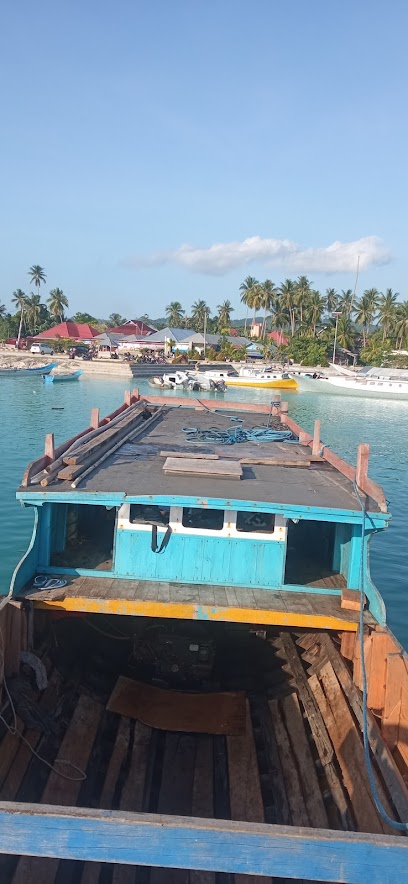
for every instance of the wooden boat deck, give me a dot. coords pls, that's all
(299, 762)
(106, 595)
(295, 477)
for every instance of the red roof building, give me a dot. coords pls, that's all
(278, 338)
(132, 327)
(75, 331)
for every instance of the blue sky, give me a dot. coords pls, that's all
(154, 150)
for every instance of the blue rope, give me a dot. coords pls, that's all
(236, 434)
(402, 827)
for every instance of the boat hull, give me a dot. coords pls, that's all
(267, 383)
(27, 372)
(337, 386)
(62, 378)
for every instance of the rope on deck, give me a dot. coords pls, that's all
(237, 434)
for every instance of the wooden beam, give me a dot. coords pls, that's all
(363, 455)
(350, 599)
(95, 418)
(190, 843)
(49, 447)
(316, 446)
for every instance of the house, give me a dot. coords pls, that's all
(77, 331)
(198, 341)
(133, 327)
(278, 338)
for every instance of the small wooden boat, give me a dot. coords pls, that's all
(257, 378)
(63, 376)
(28, 372)
(212, 670)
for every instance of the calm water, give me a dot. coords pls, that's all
(28, 413)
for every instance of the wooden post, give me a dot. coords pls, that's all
(128, 397)
(276, 404)
(304, 438)
(316, 438)
(95, 418)
(135, 395)
(49, 449)
(363, 454)
(284, 407)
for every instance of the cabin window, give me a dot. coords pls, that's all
(255, 522)
(207, 520)
(84, 538)
(310, 549)
(141, 514)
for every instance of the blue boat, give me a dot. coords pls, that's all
(61, 377)
(194, 640)
(27, 372)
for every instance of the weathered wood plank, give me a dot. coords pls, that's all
(133, 789)
(219, 845)
(203, 795)
(297, 805)
(307, 771)
(176, 792)
(189, 466)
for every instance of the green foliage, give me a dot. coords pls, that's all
(307, 351)
(85, 319)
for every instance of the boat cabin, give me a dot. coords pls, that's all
(182, 679)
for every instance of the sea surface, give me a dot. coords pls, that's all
(30, 409)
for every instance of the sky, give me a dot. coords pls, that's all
(161, 150)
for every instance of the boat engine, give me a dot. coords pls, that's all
(174, 656)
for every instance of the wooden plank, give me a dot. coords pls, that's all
(297, 805)
(363, 455)
(91, 871)
(176, 792)
(203, 795)
(389, 770)
(347, 646)
(244, 784)
(75, 747)
(277, 807)
(350, 755)
(402, 744)
(133, 790)
(219, 845)
(190, 455)
(105, 439)
(380, 645)
(189, 466)
(350, 599)
(394, 677)
(307, 772)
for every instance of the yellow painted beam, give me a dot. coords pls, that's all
(189, 611)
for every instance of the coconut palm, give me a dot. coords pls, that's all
(175, 314)
(199, 315)
(345, 332)
(346, 302)
(224, 314)
(387, 311)
(365, 311)
(401, 324)
(332, 298)
(314, 309)
(303, 288)
(37, 276)
(2, 311)
(20, 300)
(269, 293)
(255, 299)
(288, 295)
(246, 287)
(34, 309)
(278, 314)
(57, 301)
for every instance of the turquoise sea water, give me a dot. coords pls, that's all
(28, 412)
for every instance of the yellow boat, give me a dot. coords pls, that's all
(255, 377)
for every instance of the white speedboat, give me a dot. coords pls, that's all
(175, 380)
(384, 386)
(266, 378)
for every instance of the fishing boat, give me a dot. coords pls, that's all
(188, 380)
(62, 376)
(16, 371)
(266, 378)
(198, 660)
(386, 386)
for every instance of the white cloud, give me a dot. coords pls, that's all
(218, 259)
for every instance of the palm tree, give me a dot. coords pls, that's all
(345, 332)
(401, 325)
(303, 286)
(115, 319)
(33, 311)
(346, 302)
(199, 315)
(278, 313)
(224, 314)
(387, 311)
(246, 287)
(57, 301)
(269, 293)
(175, 314)
(255, 299)
(288, 295)
(2, 311)
(365, 310)
(20, 300)
(315, 306)
(37, 275)
(332, 298)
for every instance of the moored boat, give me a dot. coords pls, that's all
(388, 387)
(62, 376)
(255, 377)
(198, 590)
(17, 371)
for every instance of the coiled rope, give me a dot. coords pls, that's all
(237, 434)
(401, 827)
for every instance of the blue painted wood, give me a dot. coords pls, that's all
(28, 564)
(216, 845)
(322, 514)
(189, 558)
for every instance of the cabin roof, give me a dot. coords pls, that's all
(136, 468)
